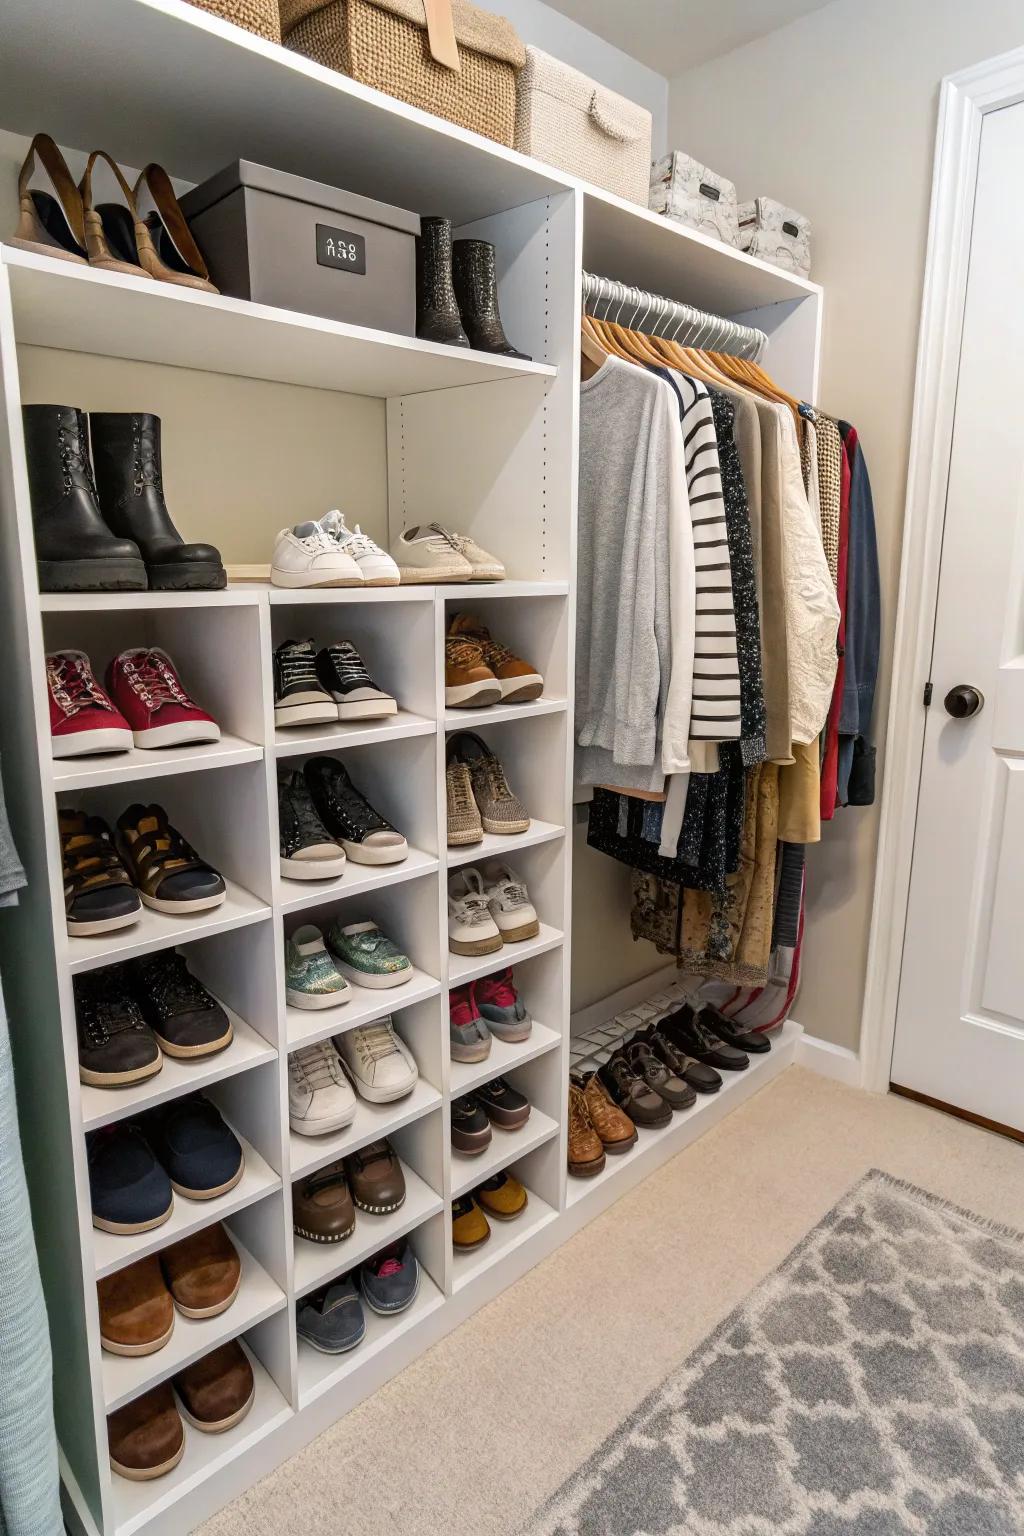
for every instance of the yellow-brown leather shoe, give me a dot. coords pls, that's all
(613, 1125)
(470, 1227)
(520, 681)
(586, 1152)
(502, 1196)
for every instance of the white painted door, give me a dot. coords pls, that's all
(960, 1021)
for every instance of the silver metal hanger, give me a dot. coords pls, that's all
(653, 315)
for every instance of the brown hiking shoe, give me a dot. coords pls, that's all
(613, 1125)
(468, 682)
(519, 680)
(586, 1154)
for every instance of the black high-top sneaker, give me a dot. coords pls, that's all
(308, 851)
(187, 1021)
(300, 698)
(115, 1044)
(685, 1030)
(366, 836)
(341, 670)
(129, 480)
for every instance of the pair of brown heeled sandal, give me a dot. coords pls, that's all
(104, 222)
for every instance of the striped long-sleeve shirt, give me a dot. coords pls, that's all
(715, 711)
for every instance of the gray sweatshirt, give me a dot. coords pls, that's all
(635, 583)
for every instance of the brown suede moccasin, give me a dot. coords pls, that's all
(217, 1391)
(146, 1437)
(136, 1310)
(203, 1272)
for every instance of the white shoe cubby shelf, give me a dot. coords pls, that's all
(484, 443)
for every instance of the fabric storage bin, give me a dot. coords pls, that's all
(777, 234)
(689, 193)
(386, 44)
(569, 121)
(259, 16)
(283, 240)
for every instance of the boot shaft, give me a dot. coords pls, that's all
(129, 480)
(475, 278)
(437, 314)
(57, 451)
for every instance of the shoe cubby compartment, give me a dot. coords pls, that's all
(533, 628)
(532, 752)
(506, 1236)
(398, 779)
(419, 1026)
(540, 1081)
(134, 1505)
(542, 870)
(419, 1146)
(538, 981)
(392, 628)
(213, 645)
(259, 1296)
(317, 1372)
(228, 826)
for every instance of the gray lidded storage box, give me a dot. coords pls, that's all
(298, 244)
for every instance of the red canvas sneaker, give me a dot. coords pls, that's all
(82, 718)
(144, 684)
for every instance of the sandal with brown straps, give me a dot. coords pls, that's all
(98, 892)
(170, 875)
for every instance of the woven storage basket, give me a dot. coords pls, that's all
(567, 120)
(259, 16)
(384, 44)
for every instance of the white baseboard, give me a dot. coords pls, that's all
(835, 1061)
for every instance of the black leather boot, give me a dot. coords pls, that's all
(476, 290)
(126, 453)
(75, 550)
(437, 314)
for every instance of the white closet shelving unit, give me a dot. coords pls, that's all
(486, 443)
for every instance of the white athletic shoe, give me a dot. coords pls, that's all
(509, 904)
(375, 564)
(430, 553)
(471, 928)
(306, 556)
(379, 1063)
(320, 1097)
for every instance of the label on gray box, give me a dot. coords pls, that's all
(341, 248)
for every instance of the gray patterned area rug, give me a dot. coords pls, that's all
(872, 1386)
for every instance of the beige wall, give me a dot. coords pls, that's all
(835, 115)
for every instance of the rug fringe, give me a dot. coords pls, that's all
(949, 1207)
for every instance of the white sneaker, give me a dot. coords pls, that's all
(486, 567)
(378, 1061)
(306, 556)
(471, 928)
(320, 1098)
(509, 904)
(430, 553)
(375, 564)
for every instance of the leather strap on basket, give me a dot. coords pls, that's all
(441, 34)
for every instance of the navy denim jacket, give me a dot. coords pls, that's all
(863, 634)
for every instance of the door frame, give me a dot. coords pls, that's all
(965, 100)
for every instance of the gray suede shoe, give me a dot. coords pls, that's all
(332, 1319)
(389, 1281)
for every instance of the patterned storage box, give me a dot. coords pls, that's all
(775, 233)
(569, 121)
(686, 191)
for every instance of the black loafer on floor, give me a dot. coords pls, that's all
(731, 1032)
(686, 1031)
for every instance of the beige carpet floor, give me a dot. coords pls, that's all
(484, 1426)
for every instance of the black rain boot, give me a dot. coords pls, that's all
(476, 289)
(126, 453)
(437, 314)
(75, 550)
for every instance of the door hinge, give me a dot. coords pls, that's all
(927, 694)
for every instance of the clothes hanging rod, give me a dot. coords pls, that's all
(649, 313)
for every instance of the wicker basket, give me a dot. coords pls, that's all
(259, 16)
(567, 120)
(384, 44)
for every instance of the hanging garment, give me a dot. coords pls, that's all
(830, 459)
(764, 1008)
(12, 873)
(863, 633)
(812, 611)
(713, 922)
(635, 583)
(829, 796)
(753, 721)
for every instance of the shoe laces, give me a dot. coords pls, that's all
(462, 652)
(153, 678)
(350, 807)
(74, 456)
(297, 661)
(294, 796)
(471, 909)
(72, 684)
(491, 774)
(146, 462)
(104, 1009)
(347, 663)
(357, 543)
(512, 891)
(318, 1065)
(317, 541)
(460, 787)
(579, 1115)
(444, 539)
(377, 1040)
(166, 978)
(493, 651)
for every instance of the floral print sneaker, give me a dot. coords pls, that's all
(367, 956)
(312, 979)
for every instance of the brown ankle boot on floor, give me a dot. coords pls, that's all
(613, 1125)
(586, 1153)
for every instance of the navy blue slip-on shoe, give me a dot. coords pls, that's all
(332, 1319)
(130, 1191)
(389, 1281)
(202, 1156)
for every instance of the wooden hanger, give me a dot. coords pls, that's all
(592, 355)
